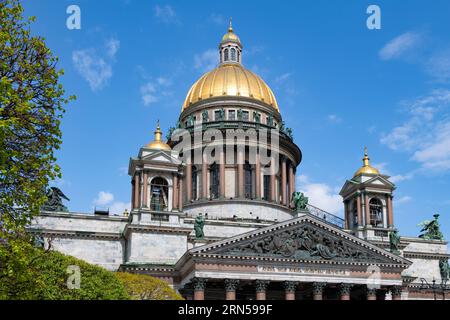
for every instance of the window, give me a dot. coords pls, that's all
(376, 212)
(232, 115)
(266, 182)
(158, 194)
(354, 222)
(233, 54)
(248, 180)
(194, 182)
(225, 55)
(214, 181)
(244, 115)
(217, 115)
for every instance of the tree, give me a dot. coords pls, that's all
(31, 107)
(47, 276)
(145, 287)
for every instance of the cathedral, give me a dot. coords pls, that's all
(215, 212)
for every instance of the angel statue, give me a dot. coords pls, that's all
(444, 269)
(199, 223)
(299, 200)
(394, 241)
(55, 200)
(431, 229)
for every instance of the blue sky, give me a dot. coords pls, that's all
(339, 85)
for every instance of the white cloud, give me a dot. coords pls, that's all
(400, 45)
(334, 118)
(438, 66)
(95, 65)
(426, 131)
(320, 195)
(282, 78)
(148, 93)
(218, 19)
(403, 199)
(207, 60)
(166, 14)
(401, 177)
(152, 90)
(106, 199)
(112, 46)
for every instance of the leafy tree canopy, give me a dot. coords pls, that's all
(145, 287)
(31, 106)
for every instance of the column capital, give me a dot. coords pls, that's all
(261, 285)
(199, 283)
(396, 291)
(231, 284)
(290, 286)
(345, 288)
(318, 287)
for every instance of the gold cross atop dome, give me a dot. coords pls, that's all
(366, 168)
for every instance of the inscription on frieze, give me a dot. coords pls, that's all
(303, 271)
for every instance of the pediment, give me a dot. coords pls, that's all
(159, 156)
(381, 181)
(301, 239)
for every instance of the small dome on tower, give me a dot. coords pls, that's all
(158, 144)
(230, 35)
(366, 168)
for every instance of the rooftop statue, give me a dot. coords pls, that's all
(394, 241)
(431, 229)
(199, 223)
(444, 269)
(299, 200)
(205, 116)
(55, 200)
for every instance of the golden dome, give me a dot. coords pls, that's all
(230, 35)
(230, 79)
(366, 168)
(158, 144)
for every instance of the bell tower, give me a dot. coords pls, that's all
(367, 197)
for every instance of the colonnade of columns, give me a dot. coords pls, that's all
(290, 287)
(286, 173)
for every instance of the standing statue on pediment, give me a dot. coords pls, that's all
(55, 200)
(431, 230)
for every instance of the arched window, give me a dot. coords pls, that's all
(225, 55)
(233, 54)
(354, 214)
(214, 181)
(159, 194)
(248, 180)
(376, 212)
(194, 182)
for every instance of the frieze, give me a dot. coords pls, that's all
(305, 271)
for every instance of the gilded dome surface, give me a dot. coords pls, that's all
(366, 168)
(230, 79)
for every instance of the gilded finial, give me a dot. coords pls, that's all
(158, 133)
(366, 158)
(230, 28)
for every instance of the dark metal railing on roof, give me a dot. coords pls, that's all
(325, 216)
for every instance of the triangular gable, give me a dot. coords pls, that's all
(347, 185)
(301, 239)
(380, 180)
(160, 156)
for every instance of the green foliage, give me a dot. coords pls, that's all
(47, 275)
(144, 287)
(31, 107)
